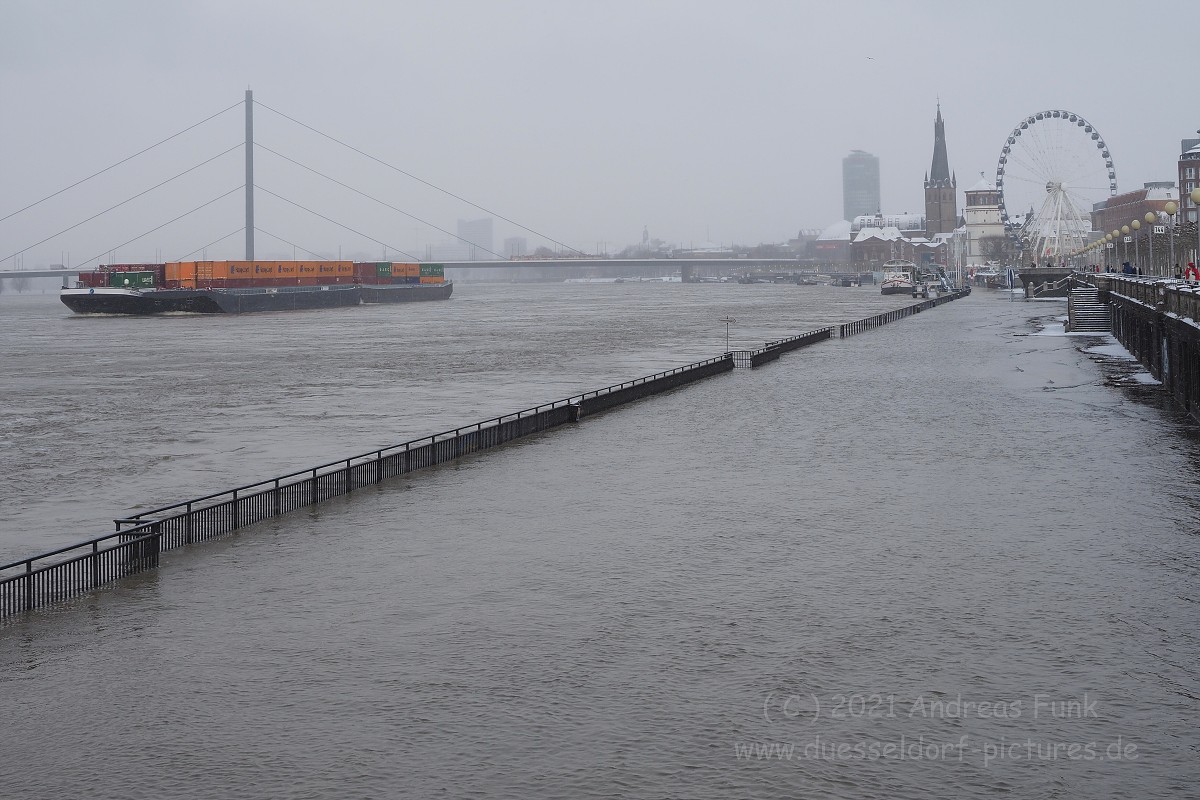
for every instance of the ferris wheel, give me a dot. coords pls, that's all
(1053, 169)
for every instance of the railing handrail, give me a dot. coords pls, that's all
(341, 463)
(99, 551)
(184, 507)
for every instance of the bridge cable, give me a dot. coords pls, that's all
(123, 202)
(122, 161)
(165, 224)
(210, 244)
(335, 222)
(293, 244)
(420, 180)
(377, 200)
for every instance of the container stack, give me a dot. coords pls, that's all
(433, 273)
(255, 274)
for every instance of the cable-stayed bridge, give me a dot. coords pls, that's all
(10, 261)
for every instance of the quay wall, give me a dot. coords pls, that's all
(1156, 321)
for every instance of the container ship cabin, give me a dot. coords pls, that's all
(232, 287)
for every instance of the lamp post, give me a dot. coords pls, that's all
(1195, 195)
(728, 321)
(1151, 219)
(1125, 242)
(1137, 255)
(1107, 246)
(1171, 208)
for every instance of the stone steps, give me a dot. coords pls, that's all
(1085, 312)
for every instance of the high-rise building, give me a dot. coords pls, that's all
(860, 184)
(476, 236)
(941, 187)
(516, 246)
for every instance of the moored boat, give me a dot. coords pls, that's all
(899, 277)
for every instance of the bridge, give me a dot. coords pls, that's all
(570, 260)
(686, 266)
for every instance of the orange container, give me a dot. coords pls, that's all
(213, 269)
(174, 270)
(239, 270)
(405, 270)
(288, 269)
(432, 279)
(182, 274)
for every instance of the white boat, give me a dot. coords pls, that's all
(899, 277)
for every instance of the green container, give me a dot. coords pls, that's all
(383, 269)
(137, 280)
(433, 271)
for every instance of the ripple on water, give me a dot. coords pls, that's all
(610, 609)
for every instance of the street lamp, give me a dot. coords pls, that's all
(1171, 208)
(1137, 256)
(1195, 195)
(1125, 242)
(1151, 218)
(728, 321)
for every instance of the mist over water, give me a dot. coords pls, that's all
(861, 545)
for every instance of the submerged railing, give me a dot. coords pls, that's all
(870, 323)
(138, 541)
(773, 350)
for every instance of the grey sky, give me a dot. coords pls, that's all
(702, 120)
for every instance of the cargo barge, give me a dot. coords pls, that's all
(236, 287)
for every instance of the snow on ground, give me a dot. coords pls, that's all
(1059, 329)
(1114, 350)
(1145, 378)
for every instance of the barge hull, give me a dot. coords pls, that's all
(241, 301)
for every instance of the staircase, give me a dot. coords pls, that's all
(1085, 312)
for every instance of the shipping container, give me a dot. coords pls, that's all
(383, 269)
(432, 279)
(181, 272)
(432, 270)
(131, 280)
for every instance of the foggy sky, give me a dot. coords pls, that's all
(585, 121)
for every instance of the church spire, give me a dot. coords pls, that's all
(940, 171)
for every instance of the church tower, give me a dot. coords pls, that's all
(941, 188)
